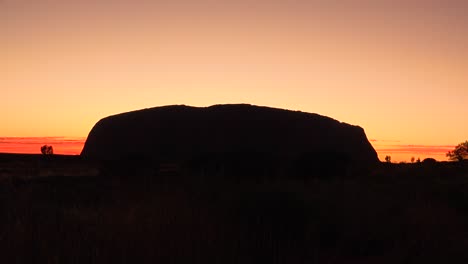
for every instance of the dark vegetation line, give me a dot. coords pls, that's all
(148, 212)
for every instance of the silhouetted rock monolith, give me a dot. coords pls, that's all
(180, 132)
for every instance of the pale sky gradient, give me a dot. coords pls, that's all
(397, 68)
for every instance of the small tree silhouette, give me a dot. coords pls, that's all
(459, 153)
(47, 150)
(388, 159)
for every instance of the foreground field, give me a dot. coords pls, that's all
(398, 214)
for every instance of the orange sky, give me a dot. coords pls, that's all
(397, 68)
(32, 145)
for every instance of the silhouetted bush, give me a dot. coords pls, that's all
(429, 161)
(459, 153)
(388, 159)
(47, 150)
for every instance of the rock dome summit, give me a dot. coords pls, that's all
(181, 132)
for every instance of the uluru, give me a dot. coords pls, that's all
(181, 132)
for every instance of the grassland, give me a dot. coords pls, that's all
(64, 209)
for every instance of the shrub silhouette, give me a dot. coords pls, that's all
(459, 153)
(47, 150)
(388, 159)
(429, 161)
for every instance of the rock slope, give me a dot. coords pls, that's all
(181, 132)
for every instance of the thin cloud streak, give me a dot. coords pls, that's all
(410, 148)
(31, 145)
(404, 152)
(383, 140)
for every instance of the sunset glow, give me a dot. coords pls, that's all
(32, 145)
(399, 69)
(73, 146)
(404, 153)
